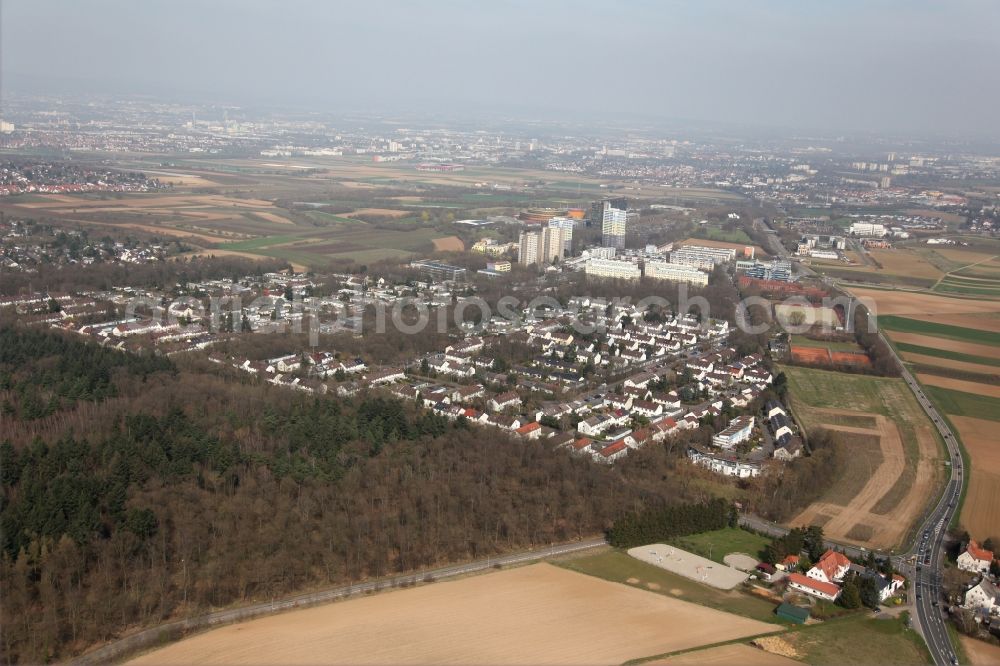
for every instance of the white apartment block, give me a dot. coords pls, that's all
(613, 227)
(566, 225)
(662, 270)
(868, 229)
(700, 256)
(612, 268)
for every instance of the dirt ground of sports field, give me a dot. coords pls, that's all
(744, 655)
(988, 351)
(537, 614)
(448, 244)
(689, 565)
(847, 522)
(976, 388)
(980, 653)
(981, 509)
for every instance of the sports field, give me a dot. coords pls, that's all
(893, 455)
(537, 614)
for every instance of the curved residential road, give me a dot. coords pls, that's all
(154, 636)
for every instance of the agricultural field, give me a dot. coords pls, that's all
(541, 612)
(980, 653)
(981, 509)
(894, 455)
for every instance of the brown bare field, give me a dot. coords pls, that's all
(162, 230)
(909, 303)
(537, 614)
(984, 321)
(981, 510)
(737, 653)
(388, 212)
(905, 262)
(975, 388)
(857, 521)
(449, 244)
(988, 351)
(939, 362)
(299, 268)
(980, 653)
(271, 217)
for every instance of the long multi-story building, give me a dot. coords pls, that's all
(701, 256)
(868, 229)
(612, 268)
(662, 270)
(738, 430)
(438, 270)
(613, 226)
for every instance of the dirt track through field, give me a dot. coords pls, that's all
(537, 614)
(889, 529)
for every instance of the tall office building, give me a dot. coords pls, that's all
(597, 208)
(614, 223)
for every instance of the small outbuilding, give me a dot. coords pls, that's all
(792, 613)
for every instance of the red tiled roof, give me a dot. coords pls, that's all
(978, 552)
(831, 561)
(806, 581)
(612, 449)
(528, 427)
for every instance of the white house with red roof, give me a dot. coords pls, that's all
(813, 587)
(975, 558)
(830, 568)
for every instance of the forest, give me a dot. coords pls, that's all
(137, 489)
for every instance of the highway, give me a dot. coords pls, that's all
(148, 638)
(928, 549)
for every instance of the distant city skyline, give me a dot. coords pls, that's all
(884, 66)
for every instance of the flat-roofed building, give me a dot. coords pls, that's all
(662, 270)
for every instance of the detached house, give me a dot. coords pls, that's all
(504, 401)
(830, 568)
(975, 558)
(983, 597)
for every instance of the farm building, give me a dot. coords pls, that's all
(792, 613)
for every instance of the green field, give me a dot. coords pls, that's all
(716, 544)
(619, 567)
(905, 325)
(959, 403)
(858, 639)
(258, 243)
(944, 353)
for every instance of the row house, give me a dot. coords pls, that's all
(387, 376)
(503, 401)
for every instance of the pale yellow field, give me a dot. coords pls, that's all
(975, 388)
(905, 303)
(271, 217)
(743, 655)
(980, 653)
(389, 212)
(981, 510)
(449, 244)
(538, 614)
(947, 363)
(943, 343)
(964, 257)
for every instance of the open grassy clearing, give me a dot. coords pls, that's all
(619, 567)
(539, 613)
(980, 653)
(959, 403)
(894, 454)
(715, 545)
(855, 639)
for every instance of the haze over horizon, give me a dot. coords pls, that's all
(885, 66)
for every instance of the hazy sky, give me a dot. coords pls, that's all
(831, 64)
